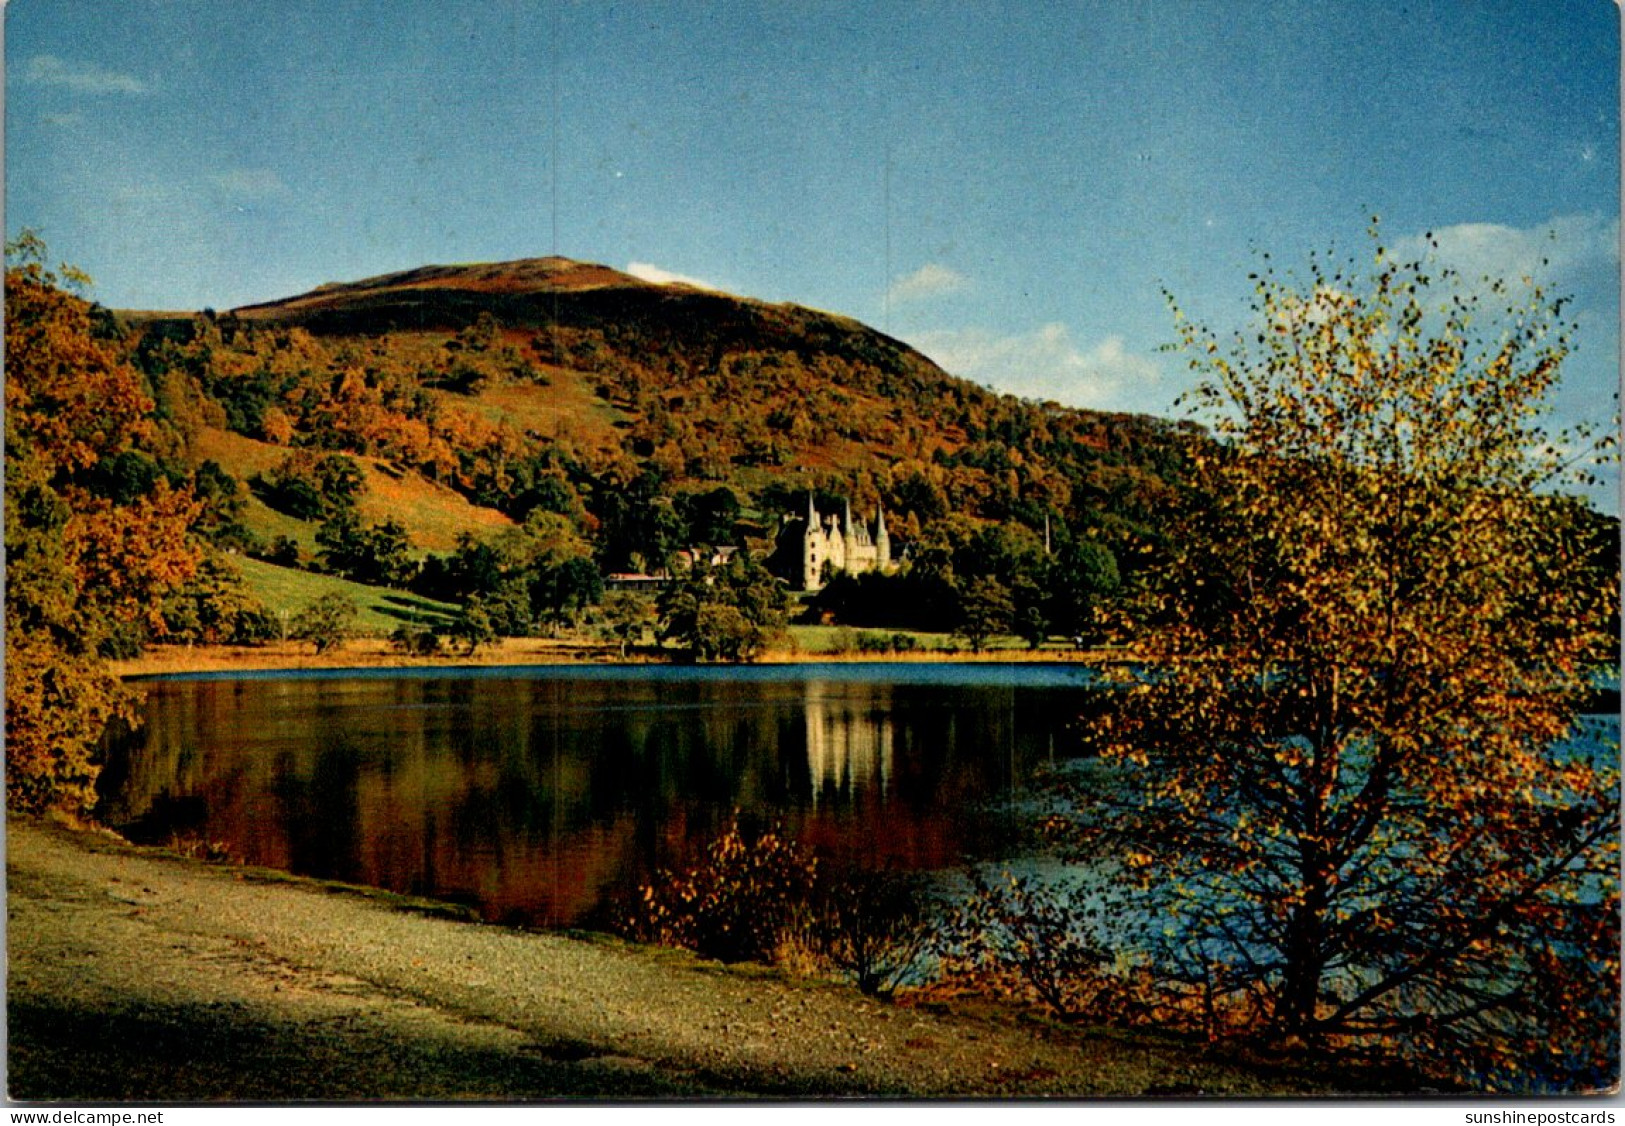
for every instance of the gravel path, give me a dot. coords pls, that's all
(135, 976)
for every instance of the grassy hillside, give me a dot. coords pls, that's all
(285, 591)
(562, 405)
(434, 514)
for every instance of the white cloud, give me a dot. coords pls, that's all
(1048, 364)
(81, 78)
(652, 273)
(1294, 311)
(254, 183)
(1548, 252)
(930, 280)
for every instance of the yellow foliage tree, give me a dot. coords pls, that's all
(1349, 794)
(78, 567)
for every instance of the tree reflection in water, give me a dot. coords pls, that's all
(537, 794)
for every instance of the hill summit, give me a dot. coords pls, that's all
(560, 295)
(522, 276)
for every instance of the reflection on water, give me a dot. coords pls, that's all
(848, 750)
(536, 796)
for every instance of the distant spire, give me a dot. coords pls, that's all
(848, 524)
(880, 519)
(812, 513)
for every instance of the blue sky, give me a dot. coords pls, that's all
(1008, 186)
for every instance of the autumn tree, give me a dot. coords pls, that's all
(92, 543)
(1349, 797)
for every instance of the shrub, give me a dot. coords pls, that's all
(869, 642)
(415, 640)
(474, 625)
(740, 903)
(764, 898)
(873, 926)
(255, 626)
(1037, 936)
(284, 552)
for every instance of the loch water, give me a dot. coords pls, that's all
(540, 795)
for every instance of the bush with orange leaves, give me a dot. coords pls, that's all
(742, 901)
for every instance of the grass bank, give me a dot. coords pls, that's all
(377, 653)
(286, 590)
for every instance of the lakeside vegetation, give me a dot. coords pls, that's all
(1371, 611)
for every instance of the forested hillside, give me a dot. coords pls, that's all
(386, 429)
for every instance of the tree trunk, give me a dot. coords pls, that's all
(1297, 1010)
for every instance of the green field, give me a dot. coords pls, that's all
(286, 591)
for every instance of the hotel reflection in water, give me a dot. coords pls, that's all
(849, 743)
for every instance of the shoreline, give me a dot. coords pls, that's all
(124, 959)
(161, 660)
